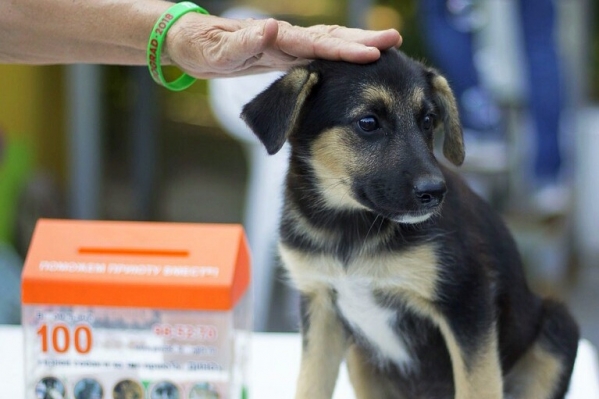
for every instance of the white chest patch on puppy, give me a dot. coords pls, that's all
(358, 306)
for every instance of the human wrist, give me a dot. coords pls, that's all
(157, 41)
(175, 40)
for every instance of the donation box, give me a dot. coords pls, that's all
(136, 310)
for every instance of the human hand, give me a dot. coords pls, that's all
(208, 46)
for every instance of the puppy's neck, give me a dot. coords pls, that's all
(341, 234)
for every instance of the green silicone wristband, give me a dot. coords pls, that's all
(156, 42)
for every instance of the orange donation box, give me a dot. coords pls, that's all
(136, 310)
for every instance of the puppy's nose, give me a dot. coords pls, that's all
(429, 191)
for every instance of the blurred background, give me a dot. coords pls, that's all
(105, 142)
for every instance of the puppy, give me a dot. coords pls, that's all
(403, 271)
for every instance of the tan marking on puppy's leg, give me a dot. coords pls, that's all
(325, 340)
(479, 376)
(535, 375)
(482, 377)
(366, 383)
(325, 346)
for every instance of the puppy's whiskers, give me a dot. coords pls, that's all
(372, 225)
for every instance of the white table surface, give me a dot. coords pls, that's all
(274, 367)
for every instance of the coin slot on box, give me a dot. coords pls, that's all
(133, 251)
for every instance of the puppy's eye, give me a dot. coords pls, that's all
(428, 123)
(368, 124)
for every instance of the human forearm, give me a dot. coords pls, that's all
(77, 31)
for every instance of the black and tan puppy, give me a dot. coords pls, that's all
(403, 270)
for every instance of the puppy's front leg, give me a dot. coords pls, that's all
(476, 370)
(325, 343)
(473, 348)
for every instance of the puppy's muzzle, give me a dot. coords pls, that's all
(429, 191)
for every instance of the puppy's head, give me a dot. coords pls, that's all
(365, 132)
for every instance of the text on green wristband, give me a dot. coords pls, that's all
(153, 48)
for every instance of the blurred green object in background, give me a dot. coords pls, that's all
(16, 165)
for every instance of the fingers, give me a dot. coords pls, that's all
(380, 39)
(335, 42)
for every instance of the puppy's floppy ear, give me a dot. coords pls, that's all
(453, 141)
(273, 114)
